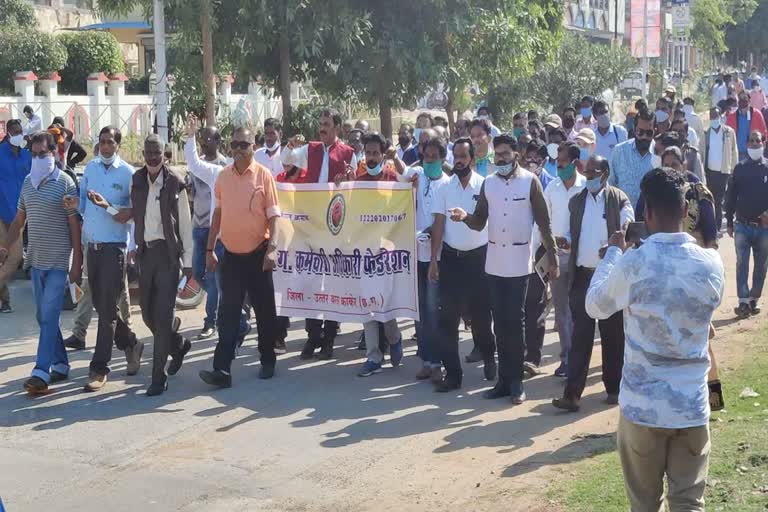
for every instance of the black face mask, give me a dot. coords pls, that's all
(643, 144)
(568, 123)
(404, 141)
(463, 172)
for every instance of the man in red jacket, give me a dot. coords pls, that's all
(745, 121)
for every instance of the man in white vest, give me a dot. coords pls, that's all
(511, 200)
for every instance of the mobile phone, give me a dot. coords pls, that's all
(636, 232)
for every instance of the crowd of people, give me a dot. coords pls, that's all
(610, 225)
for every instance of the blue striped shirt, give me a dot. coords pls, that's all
(628, 167)
(114, 183)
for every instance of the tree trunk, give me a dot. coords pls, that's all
(385, 115)
(284, 77)
(449, 110)
(208, 78)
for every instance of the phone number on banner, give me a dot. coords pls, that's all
(373, 219)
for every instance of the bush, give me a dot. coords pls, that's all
(89, 52)
(16, 13)
(27, 49)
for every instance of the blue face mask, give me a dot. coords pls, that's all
(433, 170)
(374, 171)
(583, 154)
(586, 112)
(594, 185)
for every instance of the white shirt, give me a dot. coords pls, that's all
(453, 195)
(668, 290)
(426, 192)
(715, 150)
(153, 220)
(207, 172)
(604, 144)
(35, 124)
(594, 229)
(695, 122)
(557, 198)
(719, 93)
(401, 151)
(300, 158)
(273, 163)
(693, 137)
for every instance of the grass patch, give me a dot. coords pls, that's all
(738, 465)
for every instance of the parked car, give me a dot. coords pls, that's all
(632, 85)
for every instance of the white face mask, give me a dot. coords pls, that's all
(41, 168)
(755, 153)
(688, 109)
(274, 147)
(17, 140)
(108, 161)
(552, 150)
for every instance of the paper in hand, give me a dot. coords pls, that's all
(182, 283)
(75, 292)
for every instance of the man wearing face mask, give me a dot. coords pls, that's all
(424, 121)
(480, 132)
(462, 280)
(533, 155)
(53, 234)
(511, 200)
(586, 119)
(692, 159)
(519, 125)
(721, 154)
(607, 135)
(745, 121)
(104, 191)
(694, 120)
(163, 234)
(404, 140)
(596, 212)
(269, 155)
(569, 119)
(555, 137)
(586, 142)
(15, 162)
(485, 113)
(663, 114)
(632, 159)
(747, 200)
(355, 141)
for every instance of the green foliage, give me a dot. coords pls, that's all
(89, 52)
(27, 49)
(750, 36)
(711, 18)
(306, 117)
(16, 13)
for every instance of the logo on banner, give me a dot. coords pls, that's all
(337, 210)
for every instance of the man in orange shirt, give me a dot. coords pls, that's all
(245, 215)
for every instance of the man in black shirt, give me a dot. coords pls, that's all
(747, 198)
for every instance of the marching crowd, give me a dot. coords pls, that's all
(614, 226)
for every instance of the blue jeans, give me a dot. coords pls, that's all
(217, 280)
(206, 279)
(755, 239)
(48, 287)
(427, 329)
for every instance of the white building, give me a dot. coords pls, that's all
(598, 19)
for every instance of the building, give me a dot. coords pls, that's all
(596, 19)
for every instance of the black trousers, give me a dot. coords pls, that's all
(319, 330)
(241, 273)
(158, 283)
(611, 341)
(463, 287)
(508, 306)
(106, 276)
(717, 183)
(535, 304)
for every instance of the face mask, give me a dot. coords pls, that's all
(18, 141)
(404, 141)
(715, 123)
(586, 112)
(274, 147)
(374, 171)
(462, 173)
(661, 116)
(568, 123)
(603, 121)
(416, 134)
(484, 116)
(41, 169)
(655, 161)
(534, 168)
(502, 169)
(594, 185)
(755, 153)
(107, 161)
(552, 150)
(517, 132)
(643, 145)
(433, 170)
(566, 172)
(688, 109)
(584, 154)
(154, 169)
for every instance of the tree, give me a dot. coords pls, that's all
(89, 52)
(16, 13)
(26, 49)
(711, 18)
(750, 36)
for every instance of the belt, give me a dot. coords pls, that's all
(154, 243)
(447, 249)
(105, 245)
(588, 270)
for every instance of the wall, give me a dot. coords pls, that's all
(60, 14)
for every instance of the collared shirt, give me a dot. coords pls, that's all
(401, 151)
(35, 124)
(453, 195)
(557, 198)
(743, 123)
(426, 193)
(715, 150)
(668, 290)
(300, 158)
(273, 163)
(604, 144)
(719, 93)
(628, 167)
(594, 229)
(153, 220)
(114, 183)
(481, 164)
(204, 175)
(551, 167)
(247, 201)
(49, 244)
(13, 169)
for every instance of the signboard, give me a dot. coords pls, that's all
(645, 18)
(681, 17)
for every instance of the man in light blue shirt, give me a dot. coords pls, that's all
(104, 190)
(631, 160)
(607, 135)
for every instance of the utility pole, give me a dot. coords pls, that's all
(208, 78)
(646, 83)
(161, 87)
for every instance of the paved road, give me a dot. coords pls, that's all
(316, 437)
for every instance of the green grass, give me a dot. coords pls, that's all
(738, 471)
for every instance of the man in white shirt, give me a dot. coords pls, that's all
(719, 91)
(596, 212)
(557, 196)
(34, 123)
(461, 272)
(720, 153)
(355, 141)
(429, 178)
(511, 200)
(694, 120)
(607, 135)
(404, 139)
(269, 155)
(664, 423)
(485, 113)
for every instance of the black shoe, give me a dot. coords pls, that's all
(500, 390)
(155, 389)
(57, 377)
(216, 378)
(5, 307)
(308, 351)
(489, 368)
(326, 351)
(178, 358)
(475, 356)
(280, 347)
(74, 343)
(267, 372)
(743, 310)
(447, 385)
(753, 308)
(530, 369)
(207, 332)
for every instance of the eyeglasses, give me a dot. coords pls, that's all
(240, 144)
(646, 133)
